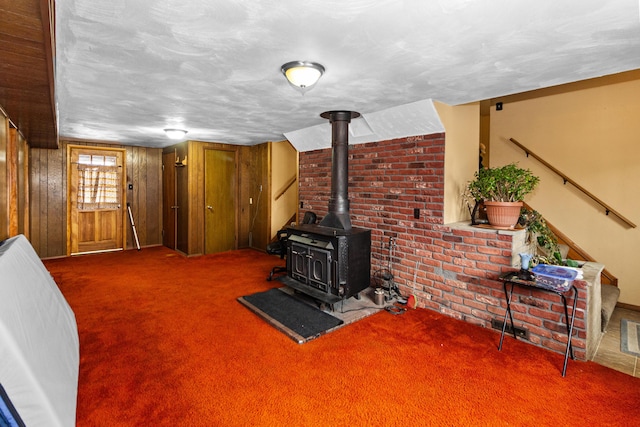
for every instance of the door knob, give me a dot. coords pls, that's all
(210, 208)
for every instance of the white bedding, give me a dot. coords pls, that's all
(39, 348)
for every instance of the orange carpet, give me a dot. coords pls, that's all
(163, 342)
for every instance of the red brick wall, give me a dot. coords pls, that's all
(450, 270)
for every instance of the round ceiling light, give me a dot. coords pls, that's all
(302, 75)
(175, 133)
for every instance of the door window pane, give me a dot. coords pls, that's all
(98, 186)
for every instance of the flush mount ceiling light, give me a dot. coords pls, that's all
(175, 133)
(302, 75)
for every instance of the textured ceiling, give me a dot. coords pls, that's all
(126, 69)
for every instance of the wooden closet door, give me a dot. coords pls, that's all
(220, 200)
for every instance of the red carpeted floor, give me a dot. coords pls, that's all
(163, 342)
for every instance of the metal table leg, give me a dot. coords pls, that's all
(569, 327)
(508, 296)
(569, 320)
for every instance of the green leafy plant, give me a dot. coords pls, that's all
(538, 229)
(502, 184)
(548, 250)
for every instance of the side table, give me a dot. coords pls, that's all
(512, 279)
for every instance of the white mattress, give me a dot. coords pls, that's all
(39, 348)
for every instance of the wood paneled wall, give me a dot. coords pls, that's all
(4, 178)
(144, 173)
(17, 162)
(195, 190)
(23, 186)
(48, 185)
(252, 171)
(255, 174)
(14, 200)
(48, 196)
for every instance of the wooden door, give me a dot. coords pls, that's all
(169, 201)
(220, 200)
(96, 200)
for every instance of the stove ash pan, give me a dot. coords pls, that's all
(328, 264)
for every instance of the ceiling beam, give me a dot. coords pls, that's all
(27, 75)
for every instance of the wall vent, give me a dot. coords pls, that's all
(520, 332)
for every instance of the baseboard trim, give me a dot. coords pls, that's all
(628, 306)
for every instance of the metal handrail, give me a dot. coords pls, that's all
(565, 178)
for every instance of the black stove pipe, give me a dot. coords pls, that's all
(338, 215)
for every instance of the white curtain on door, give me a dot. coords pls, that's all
(98, 187)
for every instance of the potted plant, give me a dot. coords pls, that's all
(502, 190)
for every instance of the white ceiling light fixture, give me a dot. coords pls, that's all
(175, 133)
(302, 75)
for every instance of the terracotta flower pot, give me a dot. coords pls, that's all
(503, 214)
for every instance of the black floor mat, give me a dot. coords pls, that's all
(299, 320)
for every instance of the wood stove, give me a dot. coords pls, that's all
(328, 264)
(331, 261)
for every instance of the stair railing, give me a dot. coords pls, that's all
(288, 185)
(565, 178)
